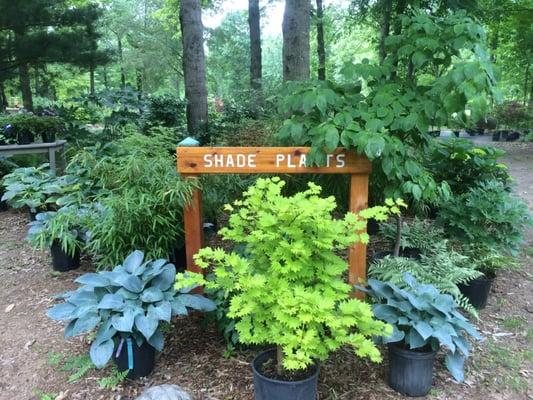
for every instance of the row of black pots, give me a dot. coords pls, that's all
(508, 136)
(27, 137)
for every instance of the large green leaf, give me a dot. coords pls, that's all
(166, 278)
(146, 326)
(85, 324)
(62, 312)
(151, 295)
(93, 279)
(101, 352)
(111, 302)
(197, 302)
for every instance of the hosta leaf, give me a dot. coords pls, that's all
(93, 279)
(455, 364)
(124, 322)
(85, 323)
(101, 352)
(111, 302)
(166, 278)
(197, 302)
(157, 341)
(151, 295)
(133, 261)
(162, 311)
(62, 312)
(129, 282)
(146, 326)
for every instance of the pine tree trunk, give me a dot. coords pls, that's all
(3, 97)
(256, 71)
(91, 79)
(321, 49)
(194, 66)
(122, 73)
(25, 87)
(295, 27)
(385, 29)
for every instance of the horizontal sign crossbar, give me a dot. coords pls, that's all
(259, 160)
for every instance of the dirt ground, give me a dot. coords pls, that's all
(34, 357)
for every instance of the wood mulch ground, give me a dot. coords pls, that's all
(33, 353)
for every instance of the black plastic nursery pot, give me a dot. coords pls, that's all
(139, 360)
(48, 137)
(477, 291)
(457, 133)
(496, 136)
(62, 261)
(410, 371)
(24, 137)
(273, 389)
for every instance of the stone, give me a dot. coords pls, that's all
(164, 392)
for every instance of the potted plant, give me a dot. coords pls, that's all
(126, 307)
(26, 187)
(62, 231)
(488, 261)
(290, 246)
(423, 321)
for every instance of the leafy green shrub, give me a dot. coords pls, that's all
(487, 214)
(514, 115)
(462, 165)
(27, 187)
(142, 200)
(164, 110)
(422, 316)
(416, 234)
(33, 123)
(488, 260)
(66, 227)
(291, 246)
(129, 302)
(442, 267)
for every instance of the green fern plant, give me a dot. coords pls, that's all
(416, 233)
(114, 379)
(444, 269)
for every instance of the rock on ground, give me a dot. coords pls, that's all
(165, 392)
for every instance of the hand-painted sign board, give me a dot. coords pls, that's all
(259, 160)
(194, 161)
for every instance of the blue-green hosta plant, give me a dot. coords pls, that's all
(421, 316)
(27, 187)
(132, 300)
(289, 289)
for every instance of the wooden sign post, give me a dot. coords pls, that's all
(194, 161)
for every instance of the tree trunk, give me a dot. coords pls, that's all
(3, 97)
(122, 73)
(106, 82)
(295, 27)
(321, 49)
(399, 225)
(279, 361)
(256, 71)
(91, 79)
(25, 87)
(194, 66)
(400, 9)
(385, 29)
(139, 76)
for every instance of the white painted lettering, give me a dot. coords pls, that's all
(279, 159)
(219, 160)
(303, 160)
(251, 160)
(229, 161)
(328, 161)
(208, 162)
(289, 164)
(241, 160)
(340, 160)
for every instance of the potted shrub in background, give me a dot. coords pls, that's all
(423, 320)
(487, 261)
(62, 231)
(126, 307)
(288, 290)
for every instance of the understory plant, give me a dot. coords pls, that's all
(27, 187)
(487, 214)
(422, 317)
(66, 227)
(288, 289)
(415, 234)
(488, 260)
(131, 301)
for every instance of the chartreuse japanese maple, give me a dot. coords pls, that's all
(288, 289)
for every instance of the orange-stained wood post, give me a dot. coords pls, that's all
(357, 252)
(192, 217)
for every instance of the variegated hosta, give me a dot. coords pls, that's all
(130, 301)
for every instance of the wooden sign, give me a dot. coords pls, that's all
(194, 161)
(258, 160)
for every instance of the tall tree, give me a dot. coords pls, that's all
(385, 28)
(255, 50)
(321, 48)
(295, 28)
(194, 65)
(43, 31)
